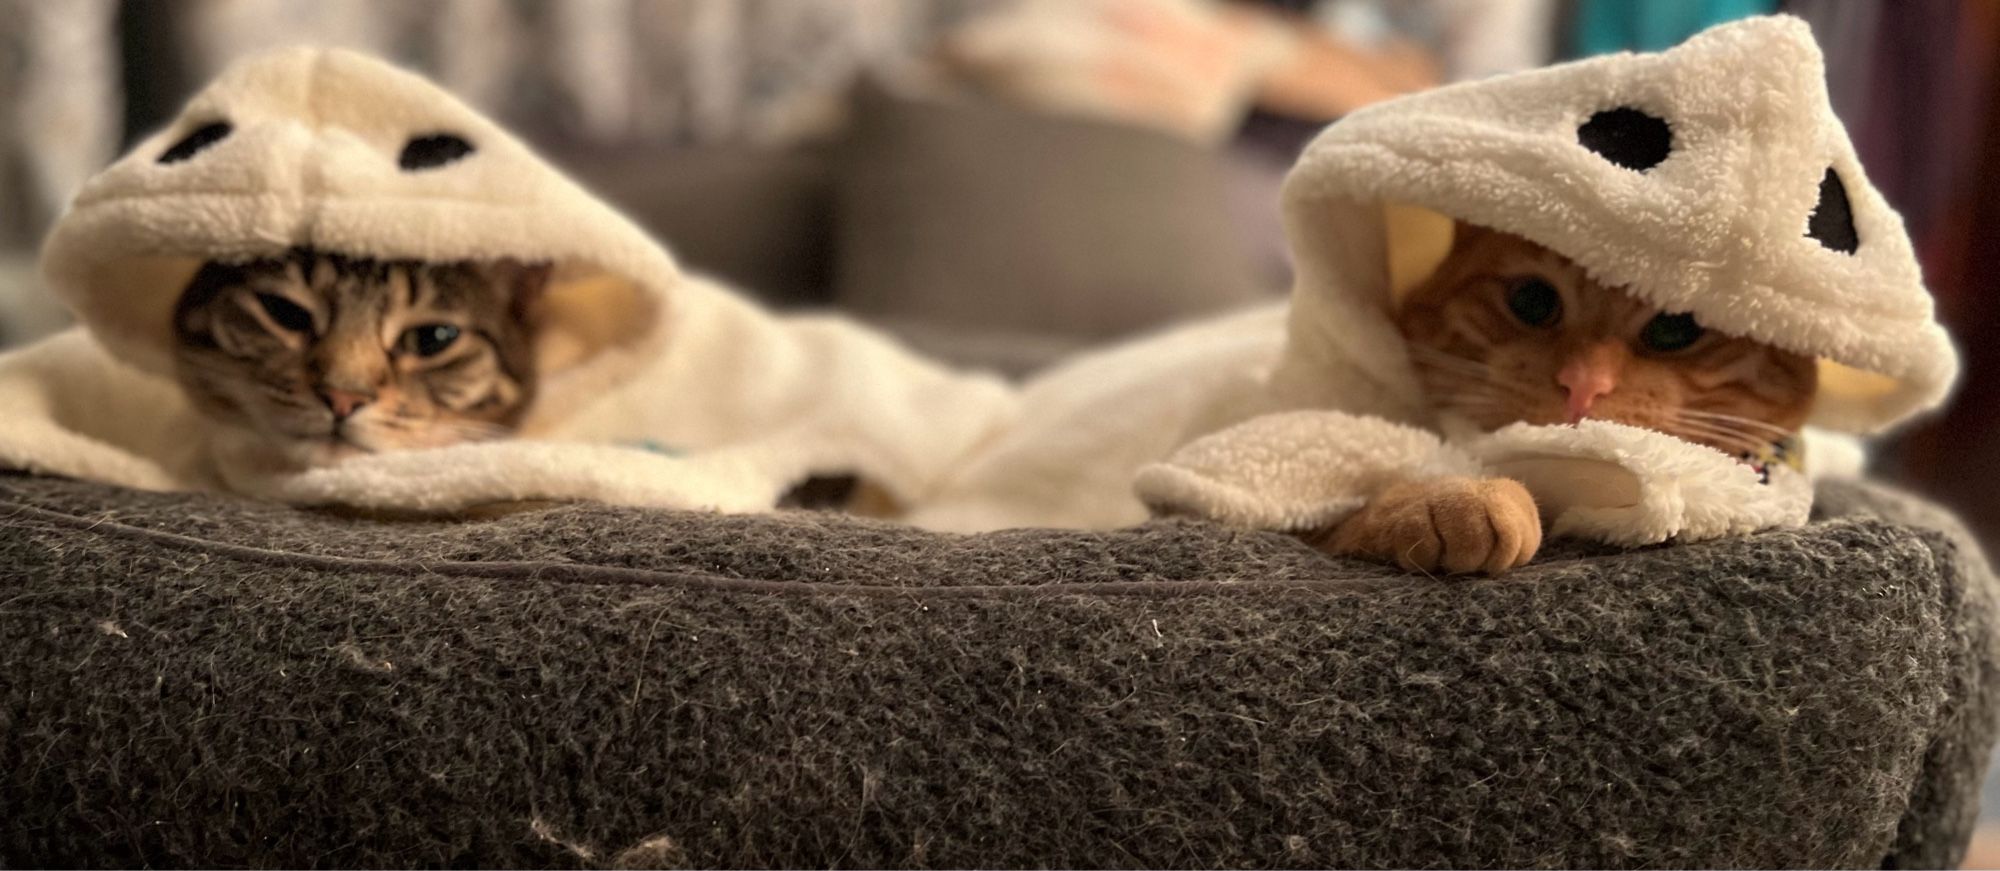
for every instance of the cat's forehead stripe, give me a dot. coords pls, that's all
(324, 273)
(412, 286)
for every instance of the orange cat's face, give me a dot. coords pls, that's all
(1508, 331)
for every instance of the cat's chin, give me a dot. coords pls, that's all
(327, 451)
(1458, 427)
(300, 454)
(251, 449)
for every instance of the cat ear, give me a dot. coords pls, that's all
(191, 313)
(1464, 234)
(526, 284)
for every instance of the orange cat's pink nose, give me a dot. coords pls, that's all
(1587, 377)
(344, 403)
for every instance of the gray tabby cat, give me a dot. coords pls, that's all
(315, 357)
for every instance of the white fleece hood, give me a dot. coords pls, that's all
(1712, 178)
(342, 153)
(337, 151)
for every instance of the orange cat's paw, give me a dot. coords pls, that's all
(1449, 525)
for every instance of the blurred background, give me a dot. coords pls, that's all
(1005, 181)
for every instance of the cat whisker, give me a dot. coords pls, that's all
(1431, 358)
(1722, 439)
(1487, 378)
(1746, 428)
(1726, 441)
(1436, 359)
(1737, 420)
(1504, 388)
(1425, 354)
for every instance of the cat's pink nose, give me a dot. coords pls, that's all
(1586, 379)
(344, 403)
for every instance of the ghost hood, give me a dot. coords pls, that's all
(1713, 178)
(334, 150)
(656, 387)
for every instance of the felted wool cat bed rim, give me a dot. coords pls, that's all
(135, 234)
(652, 675)
(1713, 225)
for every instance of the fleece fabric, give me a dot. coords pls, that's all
(340, 152)
(1713, 179)
(1300, 471)
(202, 680)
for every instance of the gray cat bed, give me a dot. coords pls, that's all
(200, 680)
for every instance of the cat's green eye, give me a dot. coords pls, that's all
(429, 340)
(1534, 302)
(286, 313)
(1667, 333)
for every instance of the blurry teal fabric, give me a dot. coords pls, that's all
(1603, 26)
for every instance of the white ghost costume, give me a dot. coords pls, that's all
(1712, 179)
(342, 153)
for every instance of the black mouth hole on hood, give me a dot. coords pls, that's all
(1832, 219)
(433, 150)
(1627, 137)
(196, 142)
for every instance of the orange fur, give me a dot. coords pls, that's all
(1596, 354)
(1480, 361)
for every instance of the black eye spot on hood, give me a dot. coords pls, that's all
(434, 150)
(194, 143)
(1832, 220)
(1627, 137)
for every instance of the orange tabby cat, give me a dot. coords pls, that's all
(1507, 331)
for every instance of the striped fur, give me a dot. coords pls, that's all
(320, 356)
(1481, 362)
(1581, 353)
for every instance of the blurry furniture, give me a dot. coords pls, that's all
(58, 108)
(985, 234)
(27, 310)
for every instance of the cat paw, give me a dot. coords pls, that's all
(1444, 525)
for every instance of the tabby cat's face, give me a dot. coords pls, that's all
(323, 357)
(1508, 331)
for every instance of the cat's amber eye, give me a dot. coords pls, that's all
(286, 313)
(1534, 302)
(1668, 333)
(429, 340)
